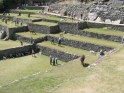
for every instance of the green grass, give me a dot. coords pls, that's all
(33, 35)
(32, 11)
(10, 24)
(90, 40)
(45, 23)
(58, 18)
(9, 44)
(106, 77)
(65, 48)
(105, 31)
(14, 69)
(41, 83)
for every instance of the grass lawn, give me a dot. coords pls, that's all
(10, 24)
(43, 82)
(58, 18)
(14, 69)
(45, 23)
(106, 77)
(33, 11)
(9, 44)
(105, 31)
(65, 48)
(28, 34)
(24, 16)
(90, 40)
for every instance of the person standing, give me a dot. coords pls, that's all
(50, 60)
(56, 60)
(82, 58)
(31, 40)
(33, 53)
(21, 42)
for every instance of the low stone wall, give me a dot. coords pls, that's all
(27, 39)
(115, 27)
(68, 27)
(100, 36)
(24, 21)
(5, 28)
(64, 56)
(43, 29)
(15, 50)
(80, 44)
(12, 31)
(17, 11)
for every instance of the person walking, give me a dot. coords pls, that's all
(82, 58)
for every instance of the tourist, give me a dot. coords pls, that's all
(56, 60)
(6, 21)
(53, 61)
(21, 42)
(4, 58)
(82, 58)
(59, 41)
(31, 40)
(33, 53)
(50, 60)
(29, 15)
(122, 40)
(19, 13)
(52, 41)
(81, 16)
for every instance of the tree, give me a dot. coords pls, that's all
(11, 3)
(1, 3)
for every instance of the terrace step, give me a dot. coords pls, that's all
(60, 52)
(84, 42)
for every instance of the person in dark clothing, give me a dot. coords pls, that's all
(53, 60)
(59, 41)
(82, 59)
(52, 41)
(28, 15)
(81, 16)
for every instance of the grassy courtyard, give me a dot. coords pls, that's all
(10, 44)
(65, 48)
(90, 40)
(105, 31)
(106, 77)
(45, 23)
(33, 35)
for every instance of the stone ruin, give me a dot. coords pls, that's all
(107, 12)
(2, 34)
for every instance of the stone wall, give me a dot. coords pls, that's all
(24, 21)
(27, 39)
(80, 44)
(68, 27)
(100, 36)
(64, 56)
(15, 50)
(43, 28)
(119, 27)
(12, 31)
(5, 28)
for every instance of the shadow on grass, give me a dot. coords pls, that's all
(86, 65)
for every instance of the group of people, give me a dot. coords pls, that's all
(15, 55)
(53, 60)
